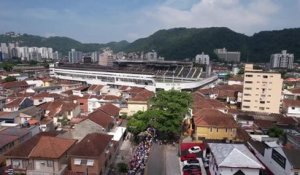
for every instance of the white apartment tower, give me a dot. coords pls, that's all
(282, 60)
(262, 90)
(202, 58)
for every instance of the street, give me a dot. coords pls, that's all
(163, 160)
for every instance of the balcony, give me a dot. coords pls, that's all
(45, 172)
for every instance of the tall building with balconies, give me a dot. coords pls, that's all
(282, 60)
(262, 90)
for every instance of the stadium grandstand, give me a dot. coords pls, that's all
(149, 74)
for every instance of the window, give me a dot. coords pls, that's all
(247, 100)
(246, 107)
(247, 94)
(90, 162)
(262, 102)
(278, 158)
(40, 101)
(49, 163)
(247, 75)
(77, 161)
(248, 82)
(83, 162)
(265, 76)
(261, 108)
(217, 129)
(81, 104)
(226, 130)
(210, 129)
(293, 108)
(248, 88)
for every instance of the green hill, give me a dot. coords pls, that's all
(181, 43)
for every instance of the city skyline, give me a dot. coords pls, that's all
(101, 22)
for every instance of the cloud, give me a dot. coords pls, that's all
(235, 14)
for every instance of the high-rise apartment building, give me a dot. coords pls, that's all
(282, 60)
(106, 58)
(202, 58)
(75, 56)
(262, 90)
(227, 56)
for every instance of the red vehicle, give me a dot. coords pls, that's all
(188, 157)
(192, 172)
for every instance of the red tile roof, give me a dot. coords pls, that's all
(46, 94)
(295, 90)
(51, 147)
(95, 88)
(110, 109)
(143, 95)
(291, 103)
(92, 145)
(14, 103)
(15, 84)
(214, 118)
(111, 97)
(23, 150)
(101, 118)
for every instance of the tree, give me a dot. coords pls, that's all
(166, 114)
(7, 66)
(10, 79)
(275, 132)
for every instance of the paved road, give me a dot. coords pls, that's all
(163, 160)
(156, 160)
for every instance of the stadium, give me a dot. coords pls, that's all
(151, 75)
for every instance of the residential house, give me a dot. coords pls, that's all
(59, 110)
(49, 156)
(278, 159)
(232, 159)
(44, 97)
(92, 155)
(291, 107)
(31, 115)
(50, 89)
(211, 124)
(17, 104)
(9, 117)
(96, 122)
(15, 85)
(293, 93)
(18, 157)
(236, 80)
(139, 101)
(98, 90)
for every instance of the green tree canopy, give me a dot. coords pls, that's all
(275, 132)
(166, 114)
(10, 79)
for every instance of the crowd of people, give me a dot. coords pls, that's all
(138, 162)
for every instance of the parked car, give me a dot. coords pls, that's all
(194, 149)
(190, 167)
(188, 157)
(192, 172)
(191, 162)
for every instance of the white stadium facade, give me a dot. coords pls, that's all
(151, 75)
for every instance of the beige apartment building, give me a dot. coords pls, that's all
(262, 90)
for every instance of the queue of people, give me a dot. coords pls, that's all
(138, 163)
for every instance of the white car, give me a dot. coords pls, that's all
(191, 162)
(194, 149)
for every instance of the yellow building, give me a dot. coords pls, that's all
(211, 124)
(139, 101)
(262, 90)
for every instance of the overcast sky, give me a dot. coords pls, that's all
(114, 20)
